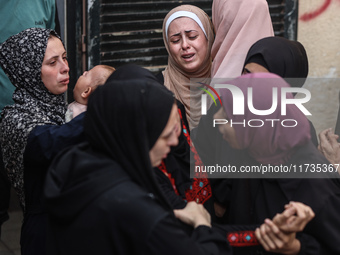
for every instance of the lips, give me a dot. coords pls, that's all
(65, 81)
(166, 154)
(188, 56)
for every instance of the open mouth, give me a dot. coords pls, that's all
(188, 56)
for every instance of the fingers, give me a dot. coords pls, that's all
(332, 138)
(290, 222)
(328, 141)
(274, 240)
(280, 219)
(304, 215)
(269, 236)
(274, 235)
(324, 145)
(330, 147)
(261, 240)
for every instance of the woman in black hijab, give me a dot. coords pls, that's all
(278, 55)
(250, 201)
(281, 56)
(103, 197)
(173, 174)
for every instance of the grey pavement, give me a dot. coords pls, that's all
(10, 230)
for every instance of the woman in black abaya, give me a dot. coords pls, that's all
(254, 199)
(173, 174)
(103, 197)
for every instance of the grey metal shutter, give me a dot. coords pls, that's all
(121, 32)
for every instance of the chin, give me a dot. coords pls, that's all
(63, 90)
(190, 69)
(157, 163)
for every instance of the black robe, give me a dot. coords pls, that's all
(96, 208)
(103, 197)
(250, 201)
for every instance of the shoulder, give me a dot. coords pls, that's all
(160, 77)
(130, 201)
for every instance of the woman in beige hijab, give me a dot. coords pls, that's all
(188, 37)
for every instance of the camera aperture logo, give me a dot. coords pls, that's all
(239, 104)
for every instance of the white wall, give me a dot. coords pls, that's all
(320, 34)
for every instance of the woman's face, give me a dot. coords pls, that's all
(187, 44)
(168, 138)
(54, 69)
(227, 130)
(254, 68)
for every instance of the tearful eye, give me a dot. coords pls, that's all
(175, 41)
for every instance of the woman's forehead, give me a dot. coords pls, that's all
(183, 24)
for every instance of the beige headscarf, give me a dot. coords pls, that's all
(176, 79)
(238, 25)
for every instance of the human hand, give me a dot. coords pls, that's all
(294, 218)
(273, 239)
(194, 215)
(329, 146)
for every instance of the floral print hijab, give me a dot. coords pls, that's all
(21, 58)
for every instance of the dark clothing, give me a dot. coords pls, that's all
(96, 208)
(180, 106)
(178, 164)
(213, 149)
(211, 146)
(173, 174)
(174, 178)
(253, 200)
(103, 197)
(281, 56)
(44, 142)
(250, 201)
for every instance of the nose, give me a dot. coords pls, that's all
(185, 43)
(173, 140)
(65, 68)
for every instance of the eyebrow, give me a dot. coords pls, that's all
(56, 56)
(186, 31)
(172, 130)
(246, 70)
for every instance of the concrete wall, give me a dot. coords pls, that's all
(319, 32)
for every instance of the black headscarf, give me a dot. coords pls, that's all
(281, 56)
(124, 120)
(131, 72)
(21, 58)
(178, 160)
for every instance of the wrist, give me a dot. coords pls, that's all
(294, 248)
(201, 221)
